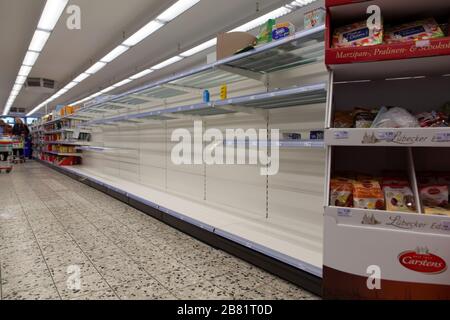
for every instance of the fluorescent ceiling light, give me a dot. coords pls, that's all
(39, 40)
(114, 53)
(121, 83)
(263, 19)
(143, 33)
(96, 67)
(30, 58)
(141, 74)
(24, 71)
(178, 8)
(200, 48)
(21, 79)
(168, 62)
(51, 14)
(70, 85)
(81, 77)
(62, 91)
(17, 87)
(108, 89)
(94, 95)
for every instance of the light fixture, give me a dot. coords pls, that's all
(17, 87)
(108, 89)
(70, 85)
(95, 95)
(30, 58)
(81, 77)
(199, 48)
(175, 10)
(51, 14)
(39, 40)
(168, 62)
(96, 67)
(143, 33)
(121, 83)
(141, 74)
(21, 79)
(114, 53)
(24, 71)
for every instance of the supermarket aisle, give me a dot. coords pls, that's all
(51, 227)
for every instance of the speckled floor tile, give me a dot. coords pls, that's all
(178, 279)
(12, 269)
(68, 289)
(291, 291)
(143, 289)
(98, 295)
(43, 293)
(203, 290)
(236, 286)
(157, 266)
(24, 284)
(62, 273)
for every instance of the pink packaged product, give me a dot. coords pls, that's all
(356, 35)
(434, 196)
(414, 31)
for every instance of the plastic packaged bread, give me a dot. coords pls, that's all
(357, 35)
(414, 31)
(368, 195)
(341, 192)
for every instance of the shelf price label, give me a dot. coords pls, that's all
(446, 225)
(387, 136)
(340, 135)
(346, 213)
(442, 137)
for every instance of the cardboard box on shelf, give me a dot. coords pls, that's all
(314, 18)
(229, 44)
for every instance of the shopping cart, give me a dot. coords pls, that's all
(18, 149)
(6, 154)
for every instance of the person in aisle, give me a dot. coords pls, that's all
(21, 130)
(5, 129)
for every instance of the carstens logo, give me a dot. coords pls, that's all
(422, 261)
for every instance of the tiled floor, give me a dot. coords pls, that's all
(60, 239)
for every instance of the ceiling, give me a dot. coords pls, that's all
(104, 25)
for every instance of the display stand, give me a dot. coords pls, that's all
(378, 254)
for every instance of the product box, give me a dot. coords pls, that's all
(314, 18)
(229, 44)
(357, 35)
(414, 31)
(282, 30)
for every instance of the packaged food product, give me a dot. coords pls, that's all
(368, 195)
(437, 211)
(343, 119)
(282, 30)
(363, 118)
(432, 119)
(265, 32)
(434, 196)
(341, 192)
(395, 117)
(413, 31)
(399, 198)
(357, 35)
(314, 18)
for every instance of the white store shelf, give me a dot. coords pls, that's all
(260, 234)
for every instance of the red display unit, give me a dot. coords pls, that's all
(343, 12)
